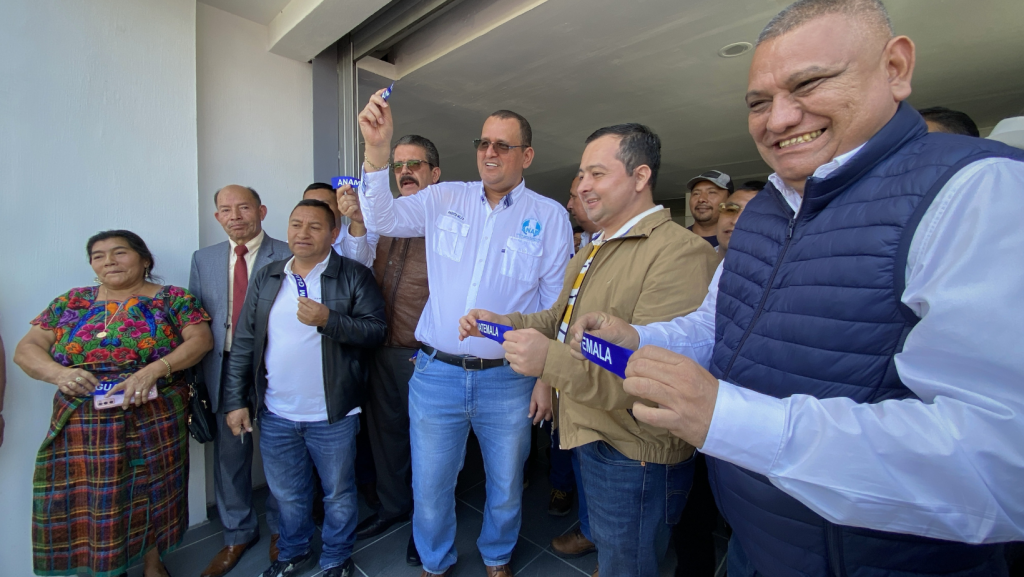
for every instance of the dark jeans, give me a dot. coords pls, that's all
(633, 506)
(581, 498)
(232, 481)
(561, 476)
(387, 416)
(693, 537)
(290, 449)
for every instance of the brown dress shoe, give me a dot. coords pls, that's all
(273, 547)
(499, 571)
(572, 544)
(446, 573)
(226, 559)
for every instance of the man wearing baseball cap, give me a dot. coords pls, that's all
(707, 191)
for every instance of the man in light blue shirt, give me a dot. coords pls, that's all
(492, 244)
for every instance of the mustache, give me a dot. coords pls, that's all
(407, 179)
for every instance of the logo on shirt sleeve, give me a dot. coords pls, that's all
(531, 227)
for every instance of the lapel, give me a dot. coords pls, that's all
(266, 254)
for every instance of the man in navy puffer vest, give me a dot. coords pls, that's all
(864, 410)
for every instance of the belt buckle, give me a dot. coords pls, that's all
(467, 368)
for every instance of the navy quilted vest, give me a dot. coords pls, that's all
(811, 305)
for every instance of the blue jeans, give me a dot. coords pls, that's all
(633, 506)
(290, 449)
(444, 402)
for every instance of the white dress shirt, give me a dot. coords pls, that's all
(508, 258)
(948, 466)
(294, 355)
(250, 257)
(357, 247)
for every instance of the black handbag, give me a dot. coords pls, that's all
(202, 423)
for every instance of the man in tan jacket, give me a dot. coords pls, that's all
(645, 268)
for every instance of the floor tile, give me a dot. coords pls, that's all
(384, 555)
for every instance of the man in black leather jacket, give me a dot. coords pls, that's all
(304, 337)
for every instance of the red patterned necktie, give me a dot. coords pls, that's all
(241, 283)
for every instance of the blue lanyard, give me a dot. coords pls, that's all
(301, 284)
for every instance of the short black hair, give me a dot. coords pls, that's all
(638, 145)
(525, 132)
(255, 195)
(433, 158)
(802, 11)
(755, 185)
(318, 204)
(952, 121)
(134, 241)
(318, 186)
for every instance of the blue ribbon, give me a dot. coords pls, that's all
(340, 181)
(387, 92)
(493, 331)
(301, 285)
(608, 356)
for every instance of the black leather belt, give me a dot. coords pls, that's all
(468, 363)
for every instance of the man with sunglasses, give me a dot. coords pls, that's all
(400, 265)
(490, 244)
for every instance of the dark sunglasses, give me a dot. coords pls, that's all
(729, 208)
(499, 147)
(412, 164)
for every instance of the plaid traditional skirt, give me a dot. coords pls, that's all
(110, 485)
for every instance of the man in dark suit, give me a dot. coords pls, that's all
(220, 279)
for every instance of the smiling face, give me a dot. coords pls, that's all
(823, 89)
(502, 171)
(310, 233)
(575, 207)
(704, 200)
(607, 194)
(239, 213)
(412, 180)
(116, 264)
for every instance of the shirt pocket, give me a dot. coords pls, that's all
(521, 258)
(450, 237)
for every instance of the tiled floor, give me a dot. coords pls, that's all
(385, 555)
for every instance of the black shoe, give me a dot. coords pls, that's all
(346, 569)
(291, 568)
(412, 556)
(560, 503)
(374, 525)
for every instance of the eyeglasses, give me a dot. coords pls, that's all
(499, 147)
(412, 164)
(729, 208)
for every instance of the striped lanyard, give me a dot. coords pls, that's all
(564, 327)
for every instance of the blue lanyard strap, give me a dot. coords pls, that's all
(301, 284)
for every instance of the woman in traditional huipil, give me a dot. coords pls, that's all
(110, 482)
